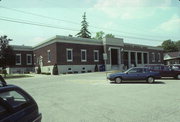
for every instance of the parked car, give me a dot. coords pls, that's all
(175, 66)
(135, 73)
(165, 71)
(16, 105)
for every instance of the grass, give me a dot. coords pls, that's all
(12, 76)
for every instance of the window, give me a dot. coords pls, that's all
(69, 55)
(29, 59)
(145, 58)
(14, 98)
(159, 57)
(83, 55)
(96, 55)
(18, 59)
(139, 58)
(136, 70)
(49, 55)
(153, 57)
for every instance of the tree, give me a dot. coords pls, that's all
(169, 46)
(110, 36)
(84, 33)
(99, 35)
(7, 57)
(178, 44)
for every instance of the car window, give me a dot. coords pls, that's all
(166, 68)
(157, 67)
(136, 70)
(14, 98)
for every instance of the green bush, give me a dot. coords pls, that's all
(96, 68)
(39, 70)
(55, 70)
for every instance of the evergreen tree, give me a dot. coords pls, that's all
(84, 33)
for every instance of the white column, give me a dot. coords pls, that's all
(148, 58)
(142, 58)
(129, 59)
(136, 62)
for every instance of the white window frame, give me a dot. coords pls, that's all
(49, 56)
(96, 51)
(20, 59)
(159, 57)
(27, 59)
(153, 57)
(84, 60)
(71, 50)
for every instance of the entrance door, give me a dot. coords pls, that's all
(114, 57)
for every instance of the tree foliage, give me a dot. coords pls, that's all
(178, 44)
(7, 57)
(169, 46)
(84, 33)
(110, 36)
(100, 35)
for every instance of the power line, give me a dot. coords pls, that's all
(36, 24)
(55, 27)
(67, 21)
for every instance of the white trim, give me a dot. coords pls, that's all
(19, 59)
(49, 56)
(69, 49)
(84, 60)
(159, 57)
(96, 51)
(30, 59)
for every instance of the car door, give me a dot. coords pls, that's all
(134, 74)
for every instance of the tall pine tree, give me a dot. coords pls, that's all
(84, 33)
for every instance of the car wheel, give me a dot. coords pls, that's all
(150, 79)
(118, 80)
(178, 76)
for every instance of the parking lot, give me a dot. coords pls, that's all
(90, 97)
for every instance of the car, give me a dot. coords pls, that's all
(135, 73)
(175, 66)
(165, 71)
(16, 105)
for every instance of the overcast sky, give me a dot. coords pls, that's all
(147, 22)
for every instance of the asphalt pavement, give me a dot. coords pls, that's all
(90, 97)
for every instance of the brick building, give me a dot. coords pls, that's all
(72, 54)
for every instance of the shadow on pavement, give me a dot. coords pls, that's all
(133, 82)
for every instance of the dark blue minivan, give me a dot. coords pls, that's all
(16, 105)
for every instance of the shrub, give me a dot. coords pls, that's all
(96, 68)
(55, 70)
(39, 70)
(4, 71)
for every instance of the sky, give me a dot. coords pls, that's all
(146, 22)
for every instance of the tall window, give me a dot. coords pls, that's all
(139, 58)
(145, 58)
(18, 59)
(29, 59)
(96, 55)
(83, 55)
(153, 57)
(49, 55)
(69, 55)
(159, 57)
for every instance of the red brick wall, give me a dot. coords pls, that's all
(43, 52)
